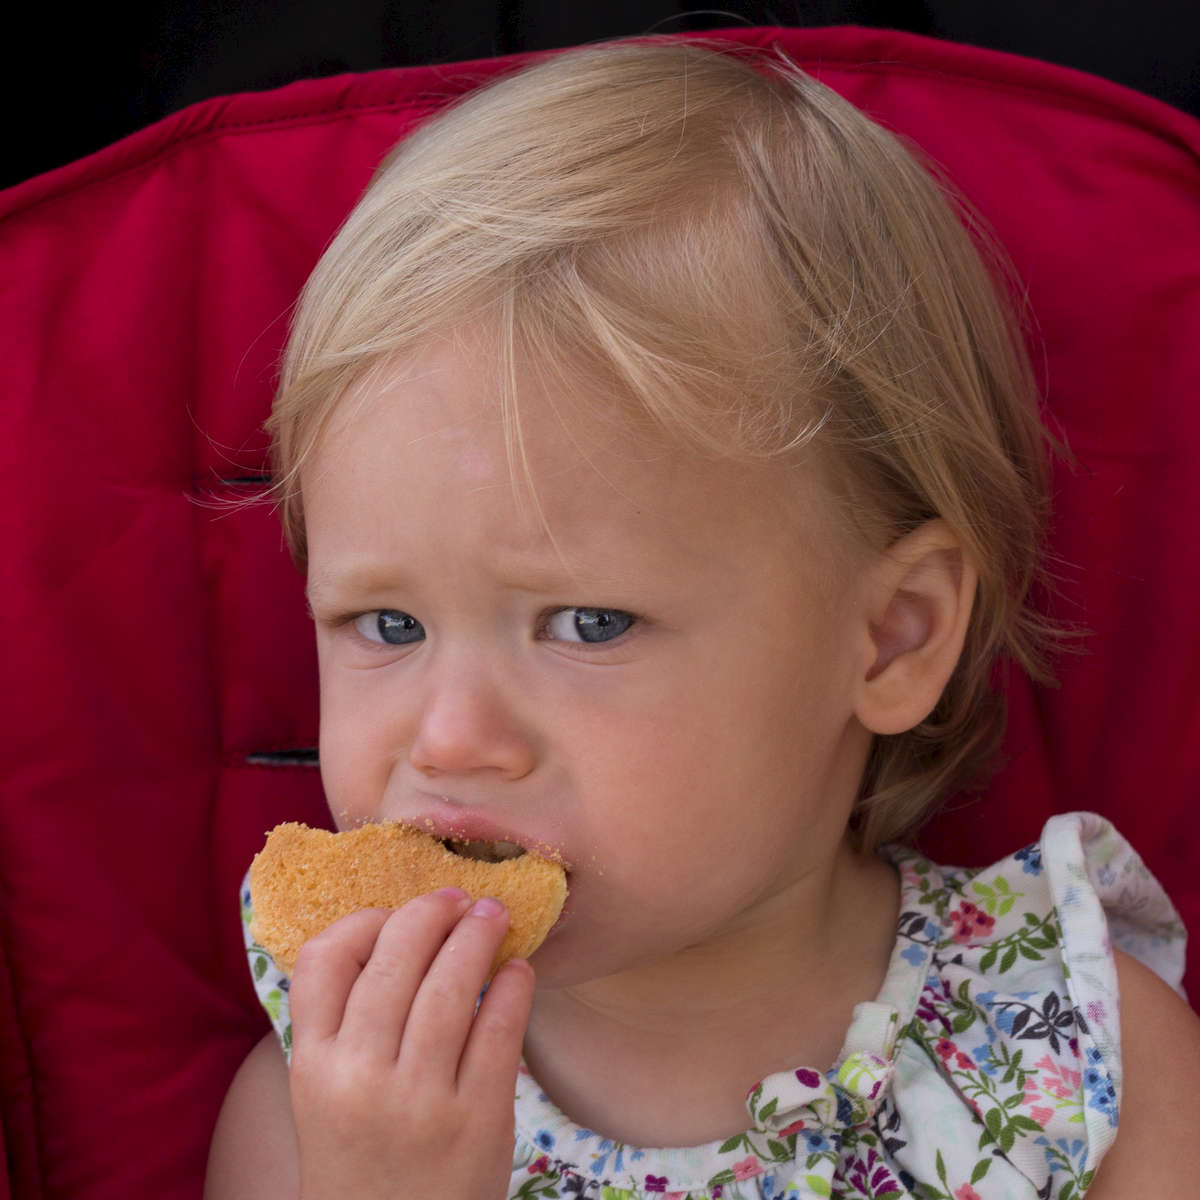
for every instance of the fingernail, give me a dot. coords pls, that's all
(487, 907)
(452, 893)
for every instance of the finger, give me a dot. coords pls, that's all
(326, 969)
(444, 1006)
(377, 1008)
(493, 1052)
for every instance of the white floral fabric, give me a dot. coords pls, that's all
(988, 1067)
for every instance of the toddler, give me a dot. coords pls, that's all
(668, 480)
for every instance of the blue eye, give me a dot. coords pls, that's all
(389, 627)
(588, 624)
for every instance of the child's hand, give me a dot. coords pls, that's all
(399, 1089)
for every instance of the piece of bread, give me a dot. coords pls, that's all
(304, 879)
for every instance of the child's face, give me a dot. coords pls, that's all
(656, 682)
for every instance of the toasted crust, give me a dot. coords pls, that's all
(305, 879)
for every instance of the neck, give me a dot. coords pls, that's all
(665, 1053)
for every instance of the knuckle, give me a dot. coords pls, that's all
(337, 940)
(444, 989)
(430, 906)
(318, 951)
(342, 1083)
(501, 1027)
(388, 965)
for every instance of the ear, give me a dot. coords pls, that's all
(921, 593)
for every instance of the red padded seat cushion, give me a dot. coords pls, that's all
(157, 654)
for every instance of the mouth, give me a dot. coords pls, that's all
(482, 850)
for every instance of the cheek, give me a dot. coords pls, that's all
(355, 750)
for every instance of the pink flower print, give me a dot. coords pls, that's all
(809, 1078)
(1057, 1080)
(1041, 1114)
(656, 1183)
(964, 1062)
(968, 923)
(945, 1049)
(539, 1165)
(794, 1127)
(748, 1168)
(966, 1192)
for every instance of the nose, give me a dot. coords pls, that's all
(467, 725)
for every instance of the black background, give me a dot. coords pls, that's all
(79, 77)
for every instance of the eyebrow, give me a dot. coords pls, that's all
(323, 584)
(522, 573)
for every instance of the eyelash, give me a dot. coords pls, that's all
(626, 620)
(349, 621)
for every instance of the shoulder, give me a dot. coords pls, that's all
(1030, 1011)
(1156, 1152)
(254, 1152)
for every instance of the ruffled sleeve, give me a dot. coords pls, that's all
(1009, 1079)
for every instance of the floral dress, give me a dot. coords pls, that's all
(987, 1068)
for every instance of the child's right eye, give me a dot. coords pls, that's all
(389, 627)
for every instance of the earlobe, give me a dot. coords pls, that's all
(922, 592)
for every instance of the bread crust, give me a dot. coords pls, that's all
(304, 879)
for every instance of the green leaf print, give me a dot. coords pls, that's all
(819, 1185)
(981, 1169)
(537, 1186)
(1039, 934)
(941, 1169)
(992, 1121)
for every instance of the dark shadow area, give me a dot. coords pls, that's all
(78, 77)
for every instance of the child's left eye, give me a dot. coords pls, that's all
(389, 627)
(588, 624)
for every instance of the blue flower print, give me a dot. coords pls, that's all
(1005, 1012)
(817, 1143)
(913, 954)
(1098, 1088)
(544, 1138)
(1062, 1150)
(1030, 859)
(982, 1057)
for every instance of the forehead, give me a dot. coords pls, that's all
(424, 450)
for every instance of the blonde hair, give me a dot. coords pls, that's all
(747, 262)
